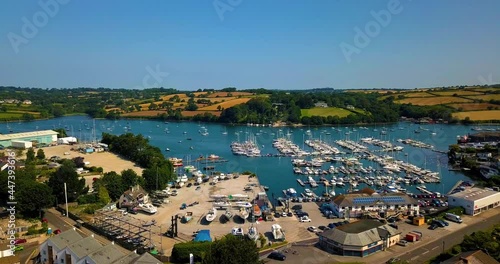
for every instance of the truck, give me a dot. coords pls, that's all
(453, 217)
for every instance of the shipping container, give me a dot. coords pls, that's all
(411, 237)
(22, 144)
(416, 234)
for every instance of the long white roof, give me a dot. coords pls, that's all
(28, 134)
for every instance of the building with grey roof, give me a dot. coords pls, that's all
(69, 247)
(475, 200)
(368, 201)
(361, 238)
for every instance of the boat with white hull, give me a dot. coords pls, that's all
(148, 208)
(212, 214)
(278, 233)
(253, 234)
(243, 204)
(243, 213)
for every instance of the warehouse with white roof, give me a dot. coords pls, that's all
(475, 200)
(28, 139)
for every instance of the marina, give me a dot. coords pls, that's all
(343, 159)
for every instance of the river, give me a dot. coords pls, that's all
(274, 172)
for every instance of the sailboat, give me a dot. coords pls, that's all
(225, 132)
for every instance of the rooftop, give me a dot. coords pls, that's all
(360, 226)
(476, 257)
(366, 199)
(361, 233)
(65, 238)
(85, 247)
(474, 194)
(106, 254)
(28, 134)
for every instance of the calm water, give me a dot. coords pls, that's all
(274, 172)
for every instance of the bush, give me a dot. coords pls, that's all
(91, 208)
(87, 199)
(181, 251)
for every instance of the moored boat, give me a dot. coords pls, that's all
(211, 215)
(243, 214)
(256, 211)
(253, 234)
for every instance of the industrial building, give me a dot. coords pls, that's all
(369, 202)
(359, 239)
(475, 200)
(69, 247)
(28, 139)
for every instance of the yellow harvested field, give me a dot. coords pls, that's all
(479, 115)
(458, 92)
(226, 104)
(473, 106)
(433, 100)
(193, 113)
(225, 94)
(144, 113)
(485, 97)
(418, 94)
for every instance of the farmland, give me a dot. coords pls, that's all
(479, 115)
(458, 93)
(474, 106)
(418, 94)
(326, 111)
(485, 97)
(207, 102)
(433, 100)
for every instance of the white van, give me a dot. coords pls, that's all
(453, 217)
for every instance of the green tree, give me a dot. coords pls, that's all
(113, 183)
(40, 154)
(129, 178)
(75, 186)
(32, 197)
(30, 155)
(61, 132)
(157, 178)
(103, 195)
(230, 249)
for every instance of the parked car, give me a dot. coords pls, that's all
(393, 226)
(312, 229)
(277, 256)
(305, 219)
(19, 241)
(403, 243)
(433, 226)
(18, 248)
(322, 228)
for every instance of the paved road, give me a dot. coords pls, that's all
(422, 254)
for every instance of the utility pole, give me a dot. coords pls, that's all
(66, 196)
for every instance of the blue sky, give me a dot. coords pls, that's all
(280, 44)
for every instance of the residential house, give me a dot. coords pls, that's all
(471, 257)
(132, 197)
(27, 102)
(321, 104)
(350, 107)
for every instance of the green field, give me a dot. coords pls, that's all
(326, 111)
(10, 116)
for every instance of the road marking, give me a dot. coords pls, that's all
(425, 252)
(435, 247)
(29, 257)
(414, 258)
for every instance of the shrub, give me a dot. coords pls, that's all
(181, 251)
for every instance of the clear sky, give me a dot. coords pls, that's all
(278, 44)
